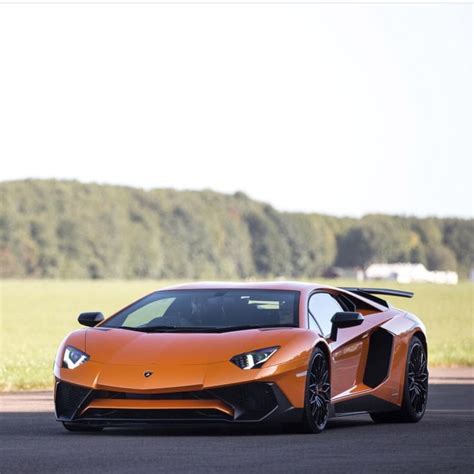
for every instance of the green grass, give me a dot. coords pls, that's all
(37, 314)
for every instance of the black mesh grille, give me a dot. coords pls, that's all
(253, 400)
(249, 401)
(69, 398)
(195, 395)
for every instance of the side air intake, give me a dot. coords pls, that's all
(378, 359)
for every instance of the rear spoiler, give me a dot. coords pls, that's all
(370, 292)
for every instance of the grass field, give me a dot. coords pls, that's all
(37, 314)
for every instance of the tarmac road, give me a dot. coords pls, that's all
(442, 442)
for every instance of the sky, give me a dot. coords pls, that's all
(332, 108)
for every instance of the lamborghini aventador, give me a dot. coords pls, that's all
(286, 352)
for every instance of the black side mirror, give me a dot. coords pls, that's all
(345, 319)
(90, 319)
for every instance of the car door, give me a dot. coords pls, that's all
(349, 351)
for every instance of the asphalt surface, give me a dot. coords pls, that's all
(442, 442)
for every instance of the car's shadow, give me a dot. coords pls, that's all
(211, 429)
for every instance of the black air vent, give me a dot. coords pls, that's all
(69, 398)
(378, 359)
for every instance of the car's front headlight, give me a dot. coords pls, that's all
(254, 359)
(73, 358)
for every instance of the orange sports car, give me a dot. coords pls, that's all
(295, 353)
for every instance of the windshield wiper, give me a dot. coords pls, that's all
(260, 326)
(170, 329)
(201, 328)
(182, 329)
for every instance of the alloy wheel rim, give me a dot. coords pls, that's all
(319, 390)
(418, 379)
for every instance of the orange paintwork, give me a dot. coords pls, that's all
(185, 362)
(195, 361)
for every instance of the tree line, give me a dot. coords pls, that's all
(66, 229)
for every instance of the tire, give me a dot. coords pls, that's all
(415, 389)
(82, 428)
(317, 393)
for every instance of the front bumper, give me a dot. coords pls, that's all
(243, 403)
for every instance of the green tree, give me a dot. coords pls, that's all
(66, 229)
(440, 257)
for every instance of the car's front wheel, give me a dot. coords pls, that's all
(82, 428)
(415, 392)
(318, 393)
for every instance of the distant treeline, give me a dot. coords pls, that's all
(66, 229)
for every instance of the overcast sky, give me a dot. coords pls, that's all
(339, 109)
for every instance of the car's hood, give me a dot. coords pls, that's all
(125, 347)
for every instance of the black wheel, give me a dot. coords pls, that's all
(318, 393)
(415, 392)
(82, 428)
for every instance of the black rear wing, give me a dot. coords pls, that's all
(370, 293)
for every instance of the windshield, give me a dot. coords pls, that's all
(209, 310)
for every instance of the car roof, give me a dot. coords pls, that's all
(303, 287)
(261, 285)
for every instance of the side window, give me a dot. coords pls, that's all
(323, 307)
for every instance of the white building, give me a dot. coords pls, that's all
(408, 273)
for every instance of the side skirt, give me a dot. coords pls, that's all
(364, 404)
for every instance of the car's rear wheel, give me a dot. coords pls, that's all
(415, 392)
(82, 428)
(318, 393)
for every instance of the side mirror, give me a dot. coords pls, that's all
(345, 319)
(90, 319)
